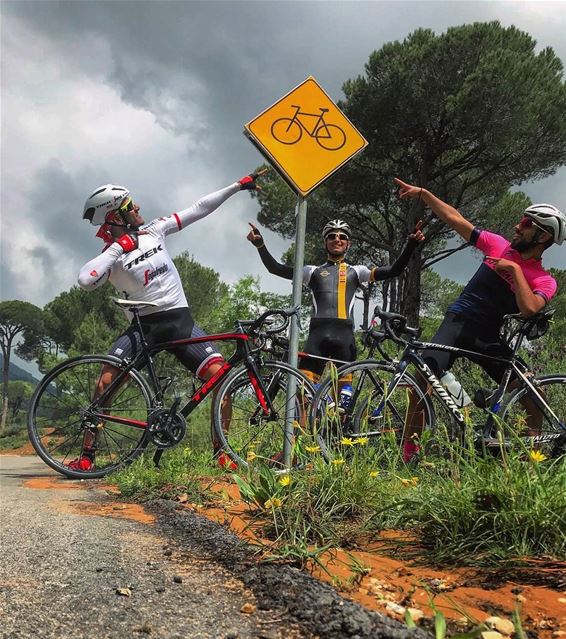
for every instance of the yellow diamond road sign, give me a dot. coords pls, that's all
(306, 136)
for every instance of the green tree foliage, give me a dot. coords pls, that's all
(437, 293)
(204, 290)
(64, 317)
(18, 321)
(468, 114)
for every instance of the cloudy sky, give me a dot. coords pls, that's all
(154, 95)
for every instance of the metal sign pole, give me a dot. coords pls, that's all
(290, 408)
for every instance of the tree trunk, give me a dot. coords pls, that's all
(366, 292)
(411, 301)
(6, 368)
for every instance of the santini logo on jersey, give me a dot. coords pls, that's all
(143, 257)
(151, 275)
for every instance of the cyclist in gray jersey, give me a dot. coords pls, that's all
(135, 259)
(333, 286)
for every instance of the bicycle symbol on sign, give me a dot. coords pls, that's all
(290, 130)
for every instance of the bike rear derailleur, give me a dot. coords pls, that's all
(166, 427)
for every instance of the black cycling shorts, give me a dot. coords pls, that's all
(460, 332)
(166, 326)
(330, 338)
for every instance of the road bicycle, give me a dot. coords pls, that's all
(250, 408)
(290, 130)
(381, 389)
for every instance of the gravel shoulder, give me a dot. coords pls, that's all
(68, 571)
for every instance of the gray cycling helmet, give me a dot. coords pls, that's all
(336, 226)
(551, 218)
(103, 200)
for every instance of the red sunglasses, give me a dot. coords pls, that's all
(528, 222)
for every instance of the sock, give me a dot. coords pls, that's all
(410, 450)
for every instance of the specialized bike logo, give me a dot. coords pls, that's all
(289, 130)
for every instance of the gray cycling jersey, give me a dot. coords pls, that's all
(333, 286)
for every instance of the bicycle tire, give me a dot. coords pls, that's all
(249, 435)
(58, 417)
(290, 135)
(332, 141)
(553, 434)
(369, 415)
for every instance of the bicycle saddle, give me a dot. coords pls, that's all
(130, 304)
(534, 326)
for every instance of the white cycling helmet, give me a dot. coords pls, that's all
(103, 200)
(336, 225)
(551, 218)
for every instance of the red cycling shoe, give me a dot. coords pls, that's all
(224, 461)
(81, 463)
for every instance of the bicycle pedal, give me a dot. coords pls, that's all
(483, 396)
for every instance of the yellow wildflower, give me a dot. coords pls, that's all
(250, 456)
(312, 449)
(285, 481)
(362, 441)
(536, 456)
(338, 462)
(274, 502)
(374, 473)
(347, 441)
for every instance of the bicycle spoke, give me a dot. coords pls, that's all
(539, 422)
(62, 421)
(248, 434)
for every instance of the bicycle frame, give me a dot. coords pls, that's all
(412, 356)
(319, 123)
(144, 358)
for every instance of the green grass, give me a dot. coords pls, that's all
(182, 470)
(464, 508)
(13, 438)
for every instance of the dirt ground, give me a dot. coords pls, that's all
(383, 581)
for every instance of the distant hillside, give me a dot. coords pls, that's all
(15, 373)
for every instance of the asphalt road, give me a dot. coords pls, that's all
(67, 551)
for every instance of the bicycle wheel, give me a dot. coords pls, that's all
(330, 137)
(286, 131)
(549, 420)
(373, 413)
(247, 432)
(63, 414)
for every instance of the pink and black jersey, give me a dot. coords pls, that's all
(489, 296)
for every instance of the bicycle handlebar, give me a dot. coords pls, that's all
(394, 325)
(270, 317)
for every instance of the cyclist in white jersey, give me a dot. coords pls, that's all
(136, 261)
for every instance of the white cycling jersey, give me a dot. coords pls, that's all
(148, 273)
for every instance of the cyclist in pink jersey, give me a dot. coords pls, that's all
(135, 259)
(511, 279)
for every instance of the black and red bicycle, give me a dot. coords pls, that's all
(250, 406)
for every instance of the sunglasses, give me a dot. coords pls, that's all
(528, 222)
(337, 236)
(127, 206)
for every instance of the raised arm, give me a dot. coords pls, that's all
(209, 203)
(444, 211)
(270, 263)
(395, 269)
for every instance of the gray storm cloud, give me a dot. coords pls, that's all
(155, 94)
